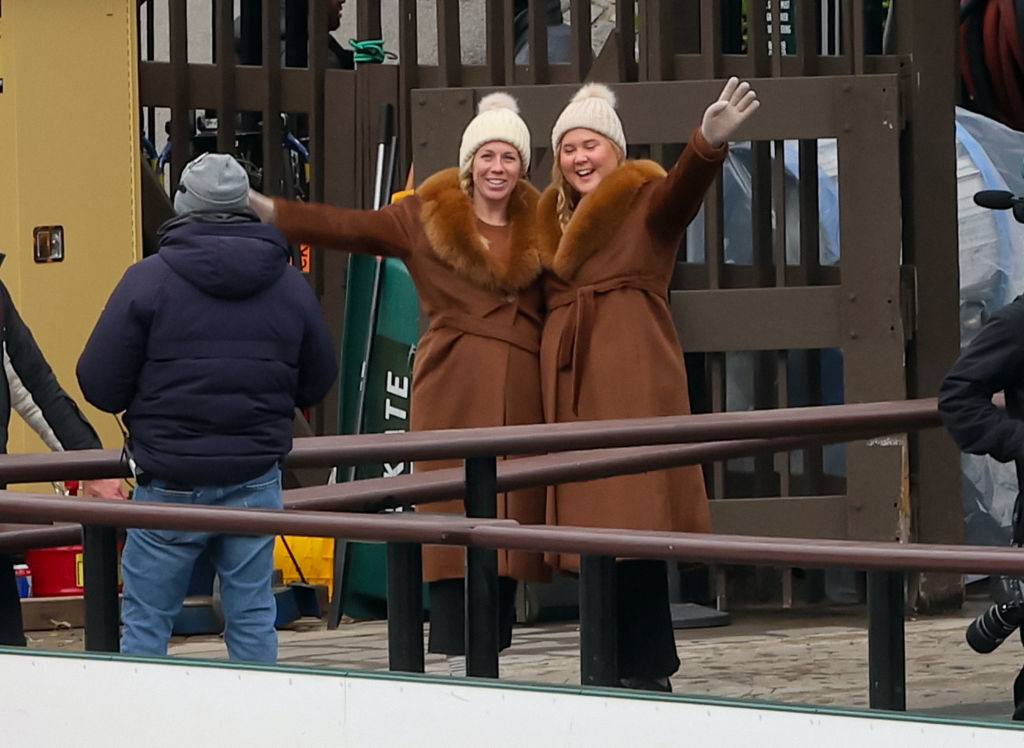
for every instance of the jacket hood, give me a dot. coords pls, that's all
(225, 259)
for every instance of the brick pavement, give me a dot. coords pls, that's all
(812, 656)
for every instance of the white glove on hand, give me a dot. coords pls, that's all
(735, 104)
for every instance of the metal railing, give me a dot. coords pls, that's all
(481, 534)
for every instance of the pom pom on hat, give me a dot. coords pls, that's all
(497, 100)
(593, 108)
(497, 119)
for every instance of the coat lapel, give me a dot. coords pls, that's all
(450, 224)
(596, 219)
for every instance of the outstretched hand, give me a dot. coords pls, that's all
(262, 206)
(735, 104)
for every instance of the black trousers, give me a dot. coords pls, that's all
(12, 632)
(448, 615)
(646, 640)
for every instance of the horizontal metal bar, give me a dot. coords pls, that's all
(484, 533)
(841, 420)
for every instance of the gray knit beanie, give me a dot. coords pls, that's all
(212, 182)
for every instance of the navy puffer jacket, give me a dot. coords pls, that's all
(208, 346)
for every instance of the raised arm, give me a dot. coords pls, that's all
(677, 199)
(386, 232)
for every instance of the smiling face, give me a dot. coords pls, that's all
(585, 158)
(497, 167)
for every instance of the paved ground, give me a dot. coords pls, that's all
(812, 656)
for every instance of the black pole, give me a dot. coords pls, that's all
(886, 655)
(599, 664)
(481, 573)
(405, 607)
(102, 612)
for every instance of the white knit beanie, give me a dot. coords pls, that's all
(498, 119)
(593, 107)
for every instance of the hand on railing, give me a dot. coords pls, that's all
(104, 488)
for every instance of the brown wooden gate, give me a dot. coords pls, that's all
(886, 94)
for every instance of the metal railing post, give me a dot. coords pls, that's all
(599, 664)
(481, 572)
(405, 607)
(886, 654)
(102, 612)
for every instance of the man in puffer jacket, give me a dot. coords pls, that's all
(207, 347)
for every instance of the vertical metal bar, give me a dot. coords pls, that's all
(714, 234)
(856, 37)
(272, 162)
(509, 36)
(494, 35)
(481, 573)
(625, 24)
(599, 664)
(405, 607)
(449, 45)
(582, 49)
(845, 35)
(150, 55)
(776, 37)
(886, 655)
(408, 73)
(181, 116)
(717, 374)
(757, 39)
(806, 19)
(810, 274)
(224, 54)
(102, 614)
(711, 38)
(317, 23)
(782, 459)
(538, 39)
(714, 253)
(368, 24)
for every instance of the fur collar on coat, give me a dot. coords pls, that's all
(450, 224)
(596, 219)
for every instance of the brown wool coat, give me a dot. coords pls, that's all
(477, 364)
(609, 347)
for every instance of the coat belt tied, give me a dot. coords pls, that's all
(526, 337)
(577, 334)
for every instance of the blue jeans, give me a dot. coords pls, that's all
(157, 566)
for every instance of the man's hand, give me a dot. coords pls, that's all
(104, 488)
(735, 104)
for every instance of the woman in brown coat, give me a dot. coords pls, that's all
(468, 238)
(609, 231)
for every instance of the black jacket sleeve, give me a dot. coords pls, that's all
(992, 362)
(34, 390)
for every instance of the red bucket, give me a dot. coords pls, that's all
(59, 572)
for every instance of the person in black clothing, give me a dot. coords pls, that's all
(207, 347)
(30, 388)
(293, 54)
(992, 362)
